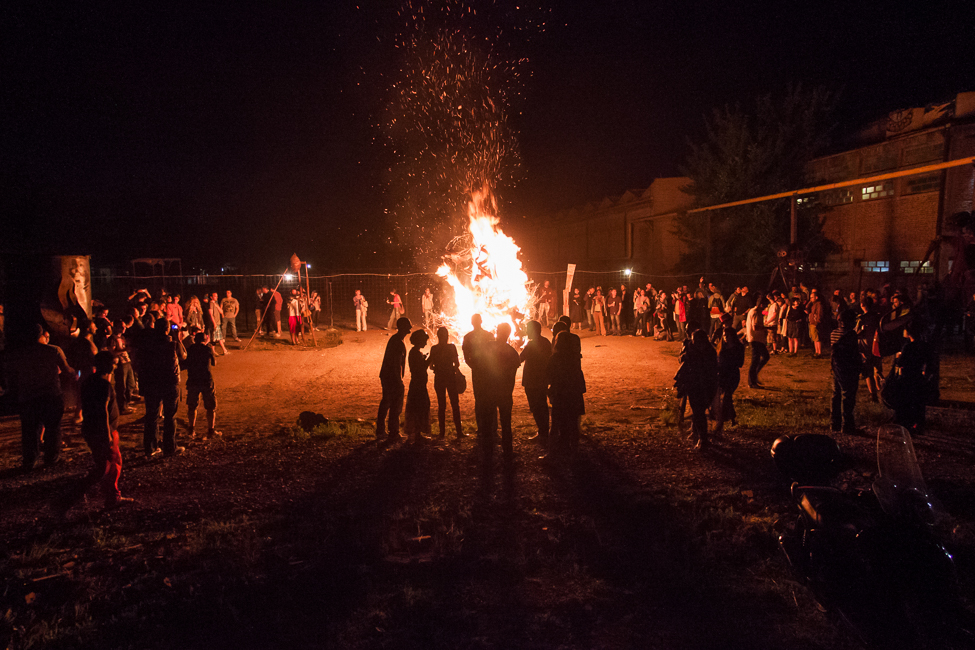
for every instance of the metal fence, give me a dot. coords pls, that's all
(336, 291)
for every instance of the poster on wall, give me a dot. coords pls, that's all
(67, 300)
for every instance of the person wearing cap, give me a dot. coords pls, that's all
(33, 375)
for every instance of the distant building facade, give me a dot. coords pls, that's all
(884, 229)
(632, 231)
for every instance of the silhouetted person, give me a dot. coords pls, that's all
(32, 373)
(566, 387)
(847, 364)
(757, 336)
(730, 360)
(475, 347)
(199, 383)
(391, 378)
(697, 378)
(446, 364)
(503, 366)
(100, 430)
(534, 378)
(418, 400)
(912, 376)
(159, 357)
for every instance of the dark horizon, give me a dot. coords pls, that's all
(240, 137)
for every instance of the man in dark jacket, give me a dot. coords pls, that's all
(475, 348)
(847, 364)
(159, 356)
(535, 356)
(503, 366)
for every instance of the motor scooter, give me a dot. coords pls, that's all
(872, 558)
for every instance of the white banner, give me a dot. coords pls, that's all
(569, 274)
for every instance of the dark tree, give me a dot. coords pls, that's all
(753, 153)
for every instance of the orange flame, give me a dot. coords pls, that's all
(499, 288)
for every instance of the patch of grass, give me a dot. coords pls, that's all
(233, 540)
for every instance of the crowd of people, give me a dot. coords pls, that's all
(105, 366)
(303, 312)
(552, 375)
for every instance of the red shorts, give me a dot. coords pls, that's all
(294, 324)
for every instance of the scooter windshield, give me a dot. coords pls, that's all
(899, 486)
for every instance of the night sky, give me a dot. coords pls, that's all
(236, 135)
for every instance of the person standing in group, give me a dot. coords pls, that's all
(613, 311)
(772, 313)
(315, 306)
(229, 308)
(626, 308)
(174, 312)
(815, 319)
(100, 431)
(757, 337)
(912, 378)
(426, 304)
(33, 376)
(194, 316)
(397, 310)
(716, 308)
(591, 322)
(730, 360)
(847, 364)
(475, 348)
(391, 379)
(216, 315)
(259, 307)
(697, 378)
(417, 425)
(125, 386)
(503, 366)
(294, 318)
(158, 358)
(278, 304)
(796, 324)
(445, 365)
(576, 309)
(361, 307)
(546, 303)
(566, 390)
(199, 383)
(534, 378)
(599, 312)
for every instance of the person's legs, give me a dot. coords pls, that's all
(170, 406)
(455, 408)
(30, 431)
(396, 407)
(755, 364)
(150, 422)
(504, 414)
(538, 405)
(393, 317)
(192, 402)
(111, 470)
(836, 406)
(358, 320)
(848, 388)
(440, 388)
(51, 418)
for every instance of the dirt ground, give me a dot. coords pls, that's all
(272, 538)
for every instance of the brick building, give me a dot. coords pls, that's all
(884, 229)
(631, 231)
